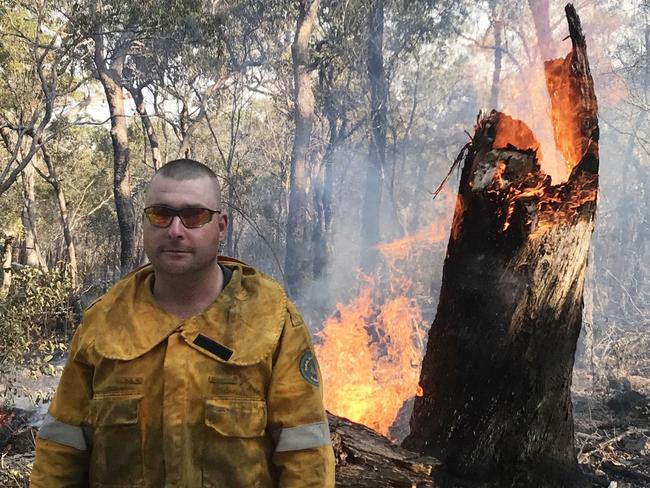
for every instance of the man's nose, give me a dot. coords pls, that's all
(176, 227)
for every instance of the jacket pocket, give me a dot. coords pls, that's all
(236, 449)
(116, 459)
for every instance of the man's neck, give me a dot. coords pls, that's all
(186, 296)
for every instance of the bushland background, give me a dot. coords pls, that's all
(330, 125)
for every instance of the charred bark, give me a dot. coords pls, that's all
(496, 376)
(298, 263)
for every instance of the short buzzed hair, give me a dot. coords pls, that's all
(188, 169)
(185, 169)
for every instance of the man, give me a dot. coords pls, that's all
(191, 371)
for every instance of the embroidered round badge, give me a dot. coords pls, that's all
(308, 368)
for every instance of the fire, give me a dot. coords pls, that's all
(516, 133)
(371, 349)
(401, 249)
(528, 185)
(370, 356)
(565, 122)
(527, 99)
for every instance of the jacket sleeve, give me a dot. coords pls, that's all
(296, 416)
(64, 442)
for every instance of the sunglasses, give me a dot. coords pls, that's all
(191, 217)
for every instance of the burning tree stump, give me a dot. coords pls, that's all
(495, 403)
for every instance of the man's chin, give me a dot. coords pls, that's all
(172, 268)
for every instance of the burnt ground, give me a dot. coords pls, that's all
(612, 430)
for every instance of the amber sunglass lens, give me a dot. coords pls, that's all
(159, 216)
(194, 217)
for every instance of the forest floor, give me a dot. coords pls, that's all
(612, 431)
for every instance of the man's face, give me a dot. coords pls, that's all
(176, 250)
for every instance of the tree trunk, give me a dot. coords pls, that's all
(53, 179)
(377, 148)
(71, 251)
(33, 255)
(365, 459)
(7, 257)
(323, 187)
(495, 403)
(297, 260)
(497, 25)
(138, 99)
(111, 80)
(541, 19)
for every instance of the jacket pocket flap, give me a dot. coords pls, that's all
(112, 411)
(236, 417)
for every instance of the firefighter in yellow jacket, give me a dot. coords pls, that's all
(193, 371)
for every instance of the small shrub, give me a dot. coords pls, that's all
(36, 321)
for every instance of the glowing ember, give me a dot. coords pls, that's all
(516, 133)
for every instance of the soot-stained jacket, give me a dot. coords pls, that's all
(229, 398)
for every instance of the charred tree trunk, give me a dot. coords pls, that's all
(496, 377)
(365, 459)
(297, 261)
(377, 148)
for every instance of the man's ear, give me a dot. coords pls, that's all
(223, 222)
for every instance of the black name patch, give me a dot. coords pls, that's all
(219, 350)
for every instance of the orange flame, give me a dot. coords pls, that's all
(370, 356)
(371, 349)
(402, 249)
(568, 108)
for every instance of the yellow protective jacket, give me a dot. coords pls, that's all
(229, 398)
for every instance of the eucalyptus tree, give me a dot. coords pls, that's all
(41, 69)
(120, 31)
(361, 47)
(181, 54)
(298, 257)
(40, 59)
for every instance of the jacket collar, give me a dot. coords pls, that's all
(246, 318)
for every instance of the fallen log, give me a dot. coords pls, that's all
(495, 401)
(364, 458)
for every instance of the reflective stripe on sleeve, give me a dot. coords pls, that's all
(61, 433)
(302, 437)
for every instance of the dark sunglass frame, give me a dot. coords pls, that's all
(172, 212)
